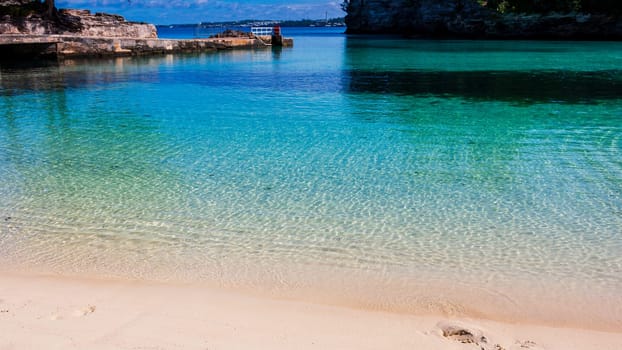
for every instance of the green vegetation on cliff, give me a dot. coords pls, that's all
(498, 19)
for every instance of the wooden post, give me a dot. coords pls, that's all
(277, 38)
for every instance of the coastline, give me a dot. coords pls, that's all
(105, 35)
(105, 314)
(71, 46)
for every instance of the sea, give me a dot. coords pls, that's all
(463, 178)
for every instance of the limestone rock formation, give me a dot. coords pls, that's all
(468, 19)
(106, 25)
(29, 17)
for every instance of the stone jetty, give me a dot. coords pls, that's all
(26, 31)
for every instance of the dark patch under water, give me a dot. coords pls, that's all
(511, 86)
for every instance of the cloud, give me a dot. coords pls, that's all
(193, 11)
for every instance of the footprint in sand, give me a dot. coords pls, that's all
(526, 345)
(84, 311)
(467, 335)
(77, 313)
(461, 333)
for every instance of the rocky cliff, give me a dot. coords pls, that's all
(468, 19)
(28, 17)
(429, 17)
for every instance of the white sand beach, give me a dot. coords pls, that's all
(52, 312)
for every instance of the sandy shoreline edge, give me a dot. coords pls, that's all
(49, 312)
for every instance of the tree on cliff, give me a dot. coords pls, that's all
(50, 7)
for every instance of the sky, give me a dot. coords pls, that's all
(194, 11)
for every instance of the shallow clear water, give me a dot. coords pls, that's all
(464, 177)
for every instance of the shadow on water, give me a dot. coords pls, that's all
(276, 52)
(49, 75)
(16, 76)
(197, 69)
(520, 87)
(519, 72)
(374, 42)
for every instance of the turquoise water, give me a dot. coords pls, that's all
(463, 177)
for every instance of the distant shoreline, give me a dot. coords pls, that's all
(330, 22)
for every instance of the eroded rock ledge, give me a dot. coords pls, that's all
(28, 19)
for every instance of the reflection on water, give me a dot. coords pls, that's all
(510, 71)
(511, 86)
(98, 73)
